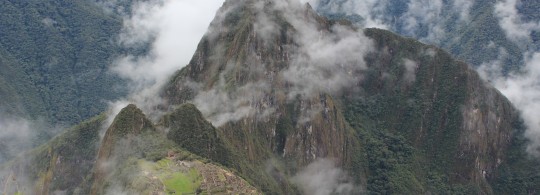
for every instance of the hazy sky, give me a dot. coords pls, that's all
(173, 30)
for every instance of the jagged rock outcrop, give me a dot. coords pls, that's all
(489, 123)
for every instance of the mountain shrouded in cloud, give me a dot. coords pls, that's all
(276, 82)
(501, 38)
(278, 99)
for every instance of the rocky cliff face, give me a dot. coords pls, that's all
(487, 131)
(448, 112)
(239, 62)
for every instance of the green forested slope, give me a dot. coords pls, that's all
(54, 57)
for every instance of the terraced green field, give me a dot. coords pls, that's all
(177, 179)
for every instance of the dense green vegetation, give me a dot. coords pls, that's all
(54, 58)
(188, 128)
(520, 173)
(178, 182)
(409, 137)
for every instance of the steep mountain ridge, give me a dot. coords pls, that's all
(444, 113)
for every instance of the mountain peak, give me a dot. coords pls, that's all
(188, 128)
(297, 85)
(130, 120)
(122, 133)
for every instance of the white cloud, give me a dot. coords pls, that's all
(463, 7)
(511, 22)
(48, 22)
(326, 61)
(220, 106)
(523, 90)
(111, 6)
(371, 10)
(425, 13)
(322, 177)
(16, 136)
(264, 24)
(493, 69)
(521, 87)
(410, 70)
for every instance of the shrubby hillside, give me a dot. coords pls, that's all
(54, 58)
